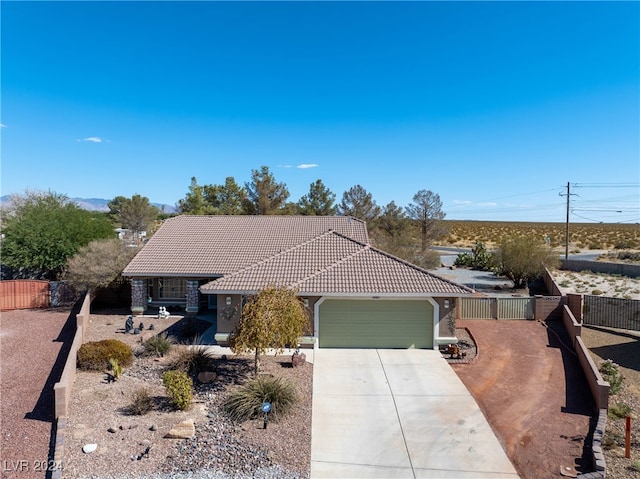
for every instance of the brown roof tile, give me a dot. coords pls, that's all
(334, 264)
(210, 246)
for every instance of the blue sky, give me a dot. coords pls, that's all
(494, 106)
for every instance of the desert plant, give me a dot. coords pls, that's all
(115, 368)
(619, 410)
(245, 402)
(141, 402)
(611, 373)
(95, 355)
(158, 345)
(596, 292)
(179, 388)
(193, 359)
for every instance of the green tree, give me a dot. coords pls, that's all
(359, 203)
(426, 210)
(393, 221)
(135, 214)
(522, 259)
(265, 196)
(393, 232)
(320, 201)
(42, 230)
(99, 265)
(227, 199)
(274, 318)
(194, 201)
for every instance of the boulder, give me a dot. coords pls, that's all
(298, 359)
(207, 377)
(184, 430)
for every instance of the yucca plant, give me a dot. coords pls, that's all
(194, 359)
(245, 402)
(158, 345)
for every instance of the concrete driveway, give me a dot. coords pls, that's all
(392, 413)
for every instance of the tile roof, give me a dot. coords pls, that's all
(334, 264)
(211, 246)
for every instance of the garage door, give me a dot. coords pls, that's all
(375, 324)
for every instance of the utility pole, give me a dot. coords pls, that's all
(566, 233)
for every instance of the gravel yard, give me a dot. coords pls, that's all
(32, 357)
(220, 448)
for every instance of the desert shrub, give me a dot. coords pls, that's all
(596, 292)
(619, 410)
(479, 258)
(179, 388)
(158, 345)
(141, 402)
(193, 360)
(245, 402)
(611, 373)
(95, 355)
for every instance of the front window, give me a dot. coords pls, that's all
(172, 288)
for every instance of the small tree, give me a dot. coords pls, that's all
(320, 201)
(135, 213)
(99, 264)
(359, 203)
(274, 318)
(265, 196)
(522, 259)
(426, 209)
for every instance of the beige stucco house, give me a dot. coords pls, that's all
(355, 294)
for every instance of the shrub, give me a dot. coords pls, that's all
(596, 292)
(141, 402)
(245, 403)
(194, 360)
(95, 355)
(179, 388)
(158, 345)
(611, 373)
(619, 410)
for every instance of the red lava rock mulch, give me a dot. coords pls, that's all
(33, 348)
(533, 393)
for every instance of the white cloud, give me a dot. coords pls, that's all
(2, 125)
(285, 166)
(93, 139)
(489, 203)
(461, 202)
(307, 165)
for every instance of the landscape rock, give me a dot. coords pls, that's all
(184, 430)
(153, 428)
(88, 448)
(298, 359)
(206, 377)
(112, 430)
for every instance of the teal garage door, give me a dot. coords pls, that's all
(375, 324)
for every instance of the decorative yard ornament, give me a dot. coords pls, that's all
(128, 325)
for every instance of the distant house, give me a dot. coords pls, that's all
(355, 294)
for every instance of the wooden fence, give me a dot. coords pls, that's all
(24, 294)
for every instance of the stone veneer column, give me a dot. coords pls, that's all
(193, 297)
(138, 296)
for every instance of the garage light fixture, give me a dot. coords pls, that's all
(446, 304)
(228, 300)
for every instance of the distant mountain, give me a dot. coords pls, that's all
(96, 204)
